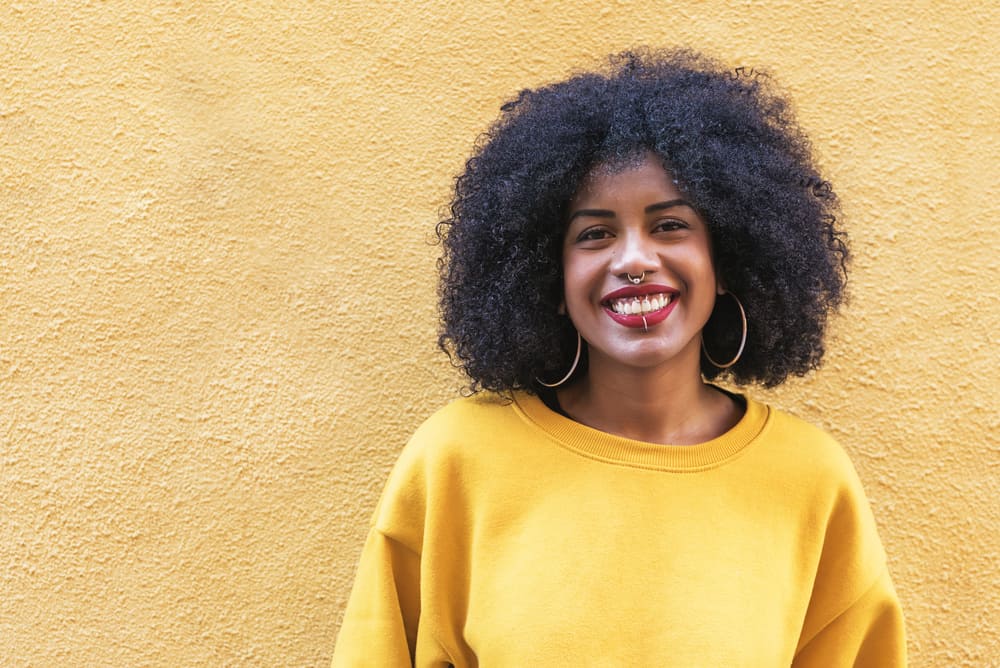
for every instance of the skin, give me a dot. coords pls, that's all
(644, 385)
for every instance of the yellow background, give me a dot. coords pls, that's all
(217, 294)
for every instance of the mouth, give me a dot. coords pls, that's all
(641, 306)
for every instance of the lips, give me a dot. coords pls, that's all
(640, 305)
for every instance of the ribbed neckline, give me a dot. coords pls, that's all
(613, 449)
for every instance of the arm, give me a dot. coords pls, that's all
(390, 620)
(380, 623)
(868, 634)
(853, 616)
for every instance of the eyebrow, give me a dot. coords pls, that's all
(604, 213)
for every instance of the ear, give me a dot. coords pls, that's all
(720, 289)
(562, 308)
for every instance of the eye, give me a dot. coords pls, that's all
(593, 234)
(670, 225)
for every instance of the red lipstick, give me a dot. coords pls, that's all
(636, 320)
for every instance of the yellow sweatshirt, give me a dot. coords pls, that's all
(509, 535)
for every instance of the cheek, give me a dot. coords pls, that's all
(579, 288)
(572, 276)
(704, 266)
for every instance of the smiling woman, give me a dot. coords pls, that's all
(634, 234)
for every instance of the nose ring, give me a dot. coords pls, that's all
(636, 280)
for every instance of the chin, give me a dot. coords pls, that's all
(649, 355)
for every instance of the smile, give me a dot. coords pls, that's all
(640, 305)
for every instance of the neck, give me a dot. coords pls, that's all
(656, 405)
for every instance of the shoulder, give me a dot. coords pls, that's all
(469, 433)
(449, 454)
(815, 467)
(839, 542)
(805, 450)
(459, 424)
(463, 418)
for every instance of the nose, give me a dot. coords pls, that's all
(634, 254)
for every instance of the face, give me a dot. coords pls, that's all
(634, 221)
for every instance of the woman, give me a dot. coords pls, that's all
(617, 240)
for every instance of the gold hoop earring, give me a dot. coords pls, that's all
(576, 360)
(743, 338)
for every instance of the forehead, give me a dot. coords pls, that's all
(641, 176)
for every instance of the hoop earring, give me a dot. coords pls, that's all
(576, 360)
(743, 338)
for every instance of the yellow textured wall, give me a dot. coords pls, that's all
(217, 312)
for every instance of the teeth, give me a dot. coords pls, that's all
(637, 306)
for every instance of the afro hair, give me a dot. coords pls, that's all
(732, 144)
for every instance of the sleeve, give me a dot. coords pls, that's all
(388, 621)
(380, 623)
(868, 634)
(853, 617)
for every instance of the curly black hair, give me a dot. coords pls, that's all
(736, 151)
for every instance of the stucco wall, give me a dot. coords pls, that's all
(217, 313)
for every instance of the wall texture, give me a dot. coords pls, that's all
(217, 314)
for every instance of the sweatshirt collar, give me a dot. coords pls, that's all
(612, 449)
